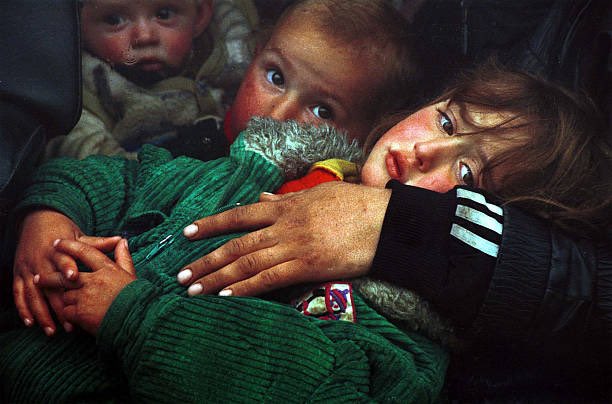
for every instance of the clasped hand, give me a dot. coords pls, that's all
(36, 258)
(87, 299)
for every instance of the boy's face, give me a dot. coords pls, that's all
(143, 38)
(424, 149)
(302, 74)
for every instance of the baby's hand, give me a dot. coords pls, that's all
(35, 255)
(87, 304)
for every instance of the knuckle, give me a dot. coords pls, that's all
(269, 279)
(82, 249)
(239, 216)
(236, 245)
(204, 264)
(248, 264)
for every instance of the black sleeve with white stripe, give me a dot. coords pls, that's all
(442, 246)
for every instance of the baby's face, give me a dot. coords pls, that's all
(302, 75)
(143, 37)
(425, 150)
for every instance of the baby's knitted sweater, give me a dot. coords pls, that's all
(157, 344)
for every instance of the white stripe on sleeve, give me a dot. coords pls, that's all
(479, 198)
(479, 218)
(474, 240)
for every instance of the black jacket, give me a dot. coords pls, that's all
(525, 296)
(40, 83)
(40, 91)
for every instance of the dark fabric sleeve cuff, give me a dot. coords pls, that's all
(413, 247)
(520, 279)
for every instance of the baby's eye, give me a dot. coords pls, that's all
(446, 123)
(322, 112)
(165, 13)
(113, 19)
(275, 77)
(465, 172)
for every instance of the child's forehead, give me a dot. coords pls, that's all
(344, 70)
(477, 117)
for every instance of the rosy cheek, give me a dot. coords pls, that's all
(435, 182)
(178, 47)
(246, 105)
(114, 49)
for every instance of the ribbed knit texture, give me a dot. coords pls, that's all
(157, 345)
(214, 349)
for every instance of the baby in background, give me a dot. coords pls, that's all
(139, 85)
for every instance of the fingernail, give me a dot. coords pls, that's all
(125, 244)
(190, 230)
(226, 292)
(184, 276)
(56, 242)
(49, 331)
(36, 278)
(68, 327)
(195, 289)
(267, 193)
(70, 274)
(28, 322)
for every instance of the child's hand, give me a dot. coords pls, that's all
(35, 255)
(87, 305)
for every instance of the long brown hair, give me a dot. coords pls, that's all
(561, 168)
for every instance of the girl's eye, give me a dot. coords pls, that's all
(465, 172)
(322, 112)
(446, 123)
(275, 77)
(165, 13)
(113, 19)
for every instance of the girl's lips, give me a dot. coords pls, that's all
(393, 167)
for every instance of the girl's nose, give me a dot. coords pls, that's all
(284, 108)
(144, 32)
(427, 153)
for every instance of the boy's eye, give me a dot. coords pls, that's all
(166, 13)
(275, 77)
(465, 172)
(113, 19)
(322, 112)
(446, 123)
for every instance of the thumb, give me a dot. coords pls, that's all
(124, 258)
(105, 244)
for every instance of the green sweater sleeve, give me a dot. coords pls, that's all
(215, 349)
(93, 192)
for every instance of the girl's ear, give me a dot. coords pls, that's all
(203, 17)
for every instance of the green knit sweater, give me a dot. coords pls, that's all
(158, 345)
